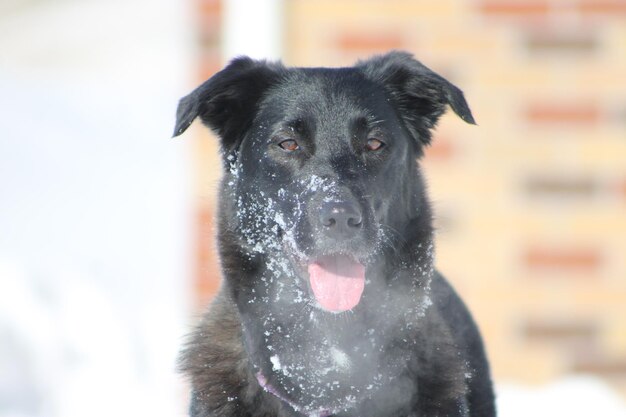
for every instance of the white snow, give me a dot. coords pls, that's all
(340, 359)
(275, 360)
(93, 208)
(575, 396)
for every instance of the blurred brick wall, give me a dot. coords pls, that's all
(531, 203)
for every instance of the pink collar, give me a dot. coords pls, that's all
(269, 388)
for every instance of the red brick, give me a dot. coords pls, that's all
(563, 188)
(209, 29)
(207, 276)
(608, 7)
(583, 259)
(561, 43)
(567, 332)
(208, 64)
(608, 367)
(370, 42)
(441, 149)
(209, 7)
(563, 113)
(518, 8)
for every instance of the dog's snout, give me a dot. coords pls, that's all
(341, 219)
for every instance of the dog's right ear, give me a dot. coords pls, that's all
(420, 95)
(227, 102)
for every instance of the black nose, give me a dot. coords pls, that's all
(341, 219)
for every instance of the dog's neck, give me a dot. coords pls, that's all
(264, 383)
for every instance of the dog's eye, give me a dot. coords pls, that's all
(289, 145)
(374, 145)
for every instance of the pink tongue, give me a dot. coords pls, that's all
(337, 282)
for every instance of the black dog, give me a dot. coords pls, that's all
(330, 304)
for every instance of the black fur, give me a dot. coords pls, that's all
(409, 347)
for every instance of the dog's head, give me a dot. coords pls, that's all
(322, 198)
(321, 163)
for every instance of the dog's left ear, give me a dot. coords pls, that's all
(227, 102)
(420, 95)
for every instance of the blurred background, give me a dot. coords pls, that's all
(106, 225)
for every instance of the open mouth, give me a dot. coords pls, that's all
(337, 282)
